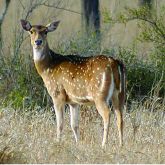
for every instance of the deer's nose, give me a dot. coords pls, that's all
(38, 42)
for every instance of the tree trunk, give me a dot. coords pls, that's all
(146, 3)
(2, 17)
(91, 16)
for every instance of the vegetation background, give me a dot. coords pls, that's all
(133, 31)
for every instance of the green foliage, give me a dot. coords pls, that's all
(152, 29)
(142, 75)
(21, 84)
(106, 16)
(151, 24)
(79, 44)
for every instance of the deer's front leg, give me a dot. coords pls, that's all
(59, 110)
(59, 100)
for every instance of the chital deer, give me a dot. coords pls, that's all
(75, 80)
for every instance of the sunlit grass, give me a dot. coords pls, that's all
(27, 138)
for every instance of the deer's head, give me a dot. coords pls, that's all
(38, 33)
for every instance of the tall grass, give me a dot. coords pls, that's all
(31, 138)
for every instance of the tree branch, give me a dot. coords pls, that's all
(153, 23)
(61, 8)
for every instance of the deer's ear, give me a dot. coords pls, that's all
(26, 25)
(52, 26)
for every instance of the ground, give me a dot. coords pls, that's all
(27, 138)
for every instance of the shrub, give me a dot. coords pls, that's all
(142, 75)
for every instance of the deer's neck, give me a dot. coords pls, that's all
(42, 59)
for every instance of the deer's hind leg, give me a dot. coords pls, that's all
(117, 106)
(104, 111)
(74, 120)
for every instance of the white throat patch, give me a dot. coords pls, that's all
(38, 54)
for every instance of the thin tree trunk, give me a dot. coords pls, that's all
(91, 16)
(2, 17)
(148, 3)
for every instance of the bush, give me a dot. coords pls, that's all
(21, 85)
(142, 75)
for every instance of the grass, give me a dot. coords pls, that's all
(31, 138)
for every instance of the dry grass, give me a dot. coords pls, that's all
(30, 138)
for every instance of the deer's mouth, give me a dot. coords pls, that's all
(38, 47)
